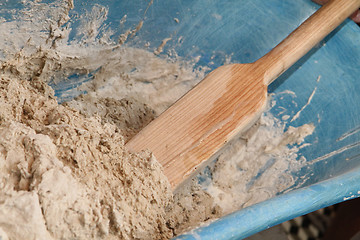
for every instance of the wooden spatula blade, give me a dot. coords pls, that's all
(202, 121)
(229, 99)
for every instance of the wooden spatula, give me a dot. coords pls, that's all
(229, 99)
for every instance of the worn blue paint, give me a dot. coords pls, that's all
(269, 213)
(248, 29)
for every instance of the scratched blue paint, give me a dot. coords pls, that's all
(247, 29)
(269, 213)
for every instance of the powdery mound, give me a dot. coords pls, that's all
(67, 176)
(64, 171)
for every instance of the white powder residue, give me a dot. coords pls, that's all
(348, 134)
(69, 176)
(248, 171)
(133, 73)
(333, 153)
(258, 165)
(160, 48)
(297, 115)
(32, 25)
(65, 173)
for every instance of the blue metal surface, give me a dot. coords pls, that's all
(269, 213)
(246, 30)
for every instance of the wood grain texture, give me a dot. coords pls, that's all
(228, 100)
(306, 36)
(201, 122)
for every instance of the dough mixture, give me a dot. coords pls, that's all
(64, 170)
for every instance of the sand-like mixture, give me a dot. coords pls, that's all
(64, 170)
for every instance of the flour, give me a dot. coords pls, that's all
(139, 74)
(87, 184)
(64, 175)
(64, 170)
(260, 164)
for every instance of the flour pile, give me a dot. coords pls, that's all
(63, 175)
(71, 176)
(64, 170)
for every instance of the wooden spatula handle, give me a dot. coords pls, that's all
(228, 100)
(305, 37)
